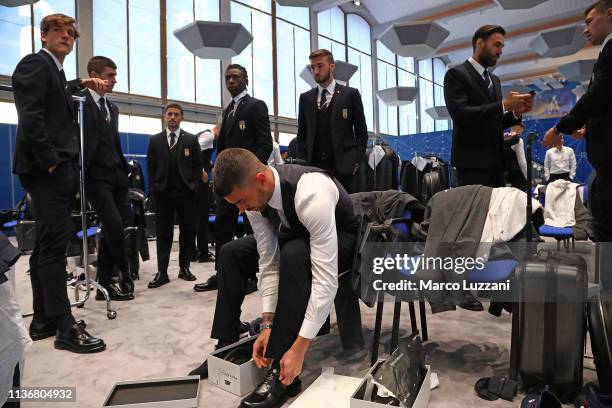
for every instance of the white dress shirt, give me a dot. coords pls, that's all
(58, 63)
(275, 156)
(559, 161)
(315, 204)
(177, 132)
(480, 69)
(206, 140)
(97, 97)
(608, 38)
(330, 93)
(236, 100)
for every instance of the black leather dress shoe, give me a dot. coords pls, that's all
(202, 370)
(114, 293)
(126, 282)
(159, 280)
(471, 303)
(77, 340)
(210, 284)
(185, 274)
(41, 329)
(271, 393)
(206, 257)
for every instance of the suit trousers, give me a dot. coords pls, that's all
(110, 206)
(559, 176)
(600, 203)
(238, 263)
(516, 180)
(345, 179)
(53, 197)
(167, 204)
(202, 206)
(494, 177)
(226, 221)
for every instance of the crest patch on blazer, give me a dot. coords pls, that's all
(345, 113)
(242, 125)
(186, 152)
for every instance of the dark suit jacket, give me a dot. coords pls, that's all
(189, 161)
(48, 132)
(348, 127)
(478, 119)
(96, 127)
(248, 128)
(594, 109)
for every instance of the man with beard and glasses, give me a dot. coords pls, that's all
(474, 100)
(332, 131)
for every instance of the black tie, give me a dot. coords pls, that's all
(103, 109)
(487, 80)
(323, 100)
(172, 139)
(63, 76)
(230, 109)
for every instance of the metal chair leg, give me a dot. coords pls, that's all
(423, 316)
(413, 323)
(377, 329)
(397, 311)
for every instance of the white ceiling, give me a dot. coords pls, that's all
(476, 13)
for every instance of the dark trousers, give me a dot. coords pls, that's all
(53, 196)
(559, 176)
(600, 203)
(226, 221)
(16, 384)
(167, 204)
(487, 177)
(345, 179)
(516, 180)
(239, 261)
(202, 206)
(110, 205)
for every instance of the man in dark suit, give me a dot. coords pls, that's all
(45, 160)
(174, 165)
(245, 124)
(594, 110)
(332, 132)
(474, 100)
(206, 140)
(106, 181)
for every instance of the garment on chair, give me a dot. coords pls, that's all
(560, 201)
(506, 217)
(14, 338)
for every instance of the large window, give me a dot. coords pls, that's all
(257, 57)
(16, 33)
(135, 49)
(111, 36)
(292, 50)
(359, 53)
(431, 92)
(331, 32)
(394, 70)
(191, 79)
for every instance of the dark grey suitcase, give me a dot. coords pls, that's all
(552, 330)
(600, 331)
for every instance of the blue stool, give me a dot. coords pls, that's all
(564, 234)
(10, 224)
(493, 271)
(91, 232)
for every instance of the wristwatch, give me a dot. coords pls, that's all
(264, 326)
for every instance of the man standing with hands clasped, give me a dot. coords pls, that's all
(594, 110)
